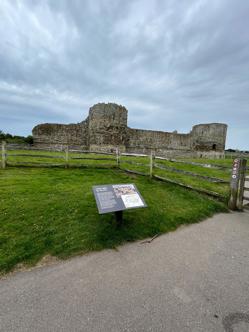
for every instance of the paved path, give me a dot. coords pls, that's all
(194, 279)
(246, 193)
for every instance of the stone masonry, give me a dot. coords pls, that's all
(105, 129)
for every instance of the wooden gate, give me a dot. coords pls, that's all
(243, 196)
(239, 185)
(245, 202)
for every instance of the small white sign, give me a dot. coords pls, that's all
(132, 200)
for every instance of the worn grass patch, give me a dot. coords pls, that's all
(53, 212)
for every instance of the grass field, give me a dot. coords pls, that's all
(129, 162)
(110, 162)
(59, 158)
(53, 211)
(195, 182)
(222, 162)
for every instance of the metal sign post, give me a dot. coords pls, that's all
(119, 218)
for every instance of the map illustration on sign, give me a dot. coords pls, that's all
(117, 197)
(129, 195)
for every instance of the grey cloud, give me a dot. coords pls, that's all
(171, 63)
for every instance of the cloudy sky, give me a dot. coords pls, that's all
(172, 64)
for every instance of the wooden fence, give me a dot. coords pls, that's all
(245, 197)
(243, 188)
(74, 158)
(238, 154)
(64, 157)
(239, 185)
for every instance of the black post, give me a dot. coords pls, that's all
(119, 218)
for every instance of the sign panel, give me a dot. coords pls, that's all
(117, 197)
(235, 174)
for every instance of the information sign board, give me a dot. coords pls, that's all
(117, 197)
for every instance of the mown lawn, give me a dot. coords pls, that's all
(127, 162)
(226, 162)
(58, 158)
(196, 182)
(53, 211)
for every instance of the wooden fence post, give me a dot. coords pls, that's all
(242, 183)
(66, 157)
(118, 156)
(151, 164)
(4, 157)
(234, 184)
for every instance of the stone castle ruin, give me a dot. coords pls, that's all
(105, 129)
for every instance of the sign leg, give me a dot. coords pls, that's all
(119, 218)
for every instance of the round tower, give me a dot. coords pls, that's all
(209, 140)
(107, 125)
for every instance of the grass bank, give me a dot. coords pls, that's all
(53, 211)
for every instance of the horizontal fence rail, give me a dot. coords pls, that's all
(87, 158)
(203, 191)
(135, 172)
(93, 152)
(204, 177)
(64, 160)
(194, 163)
(33, 155)
(23, 163)
(134, 163)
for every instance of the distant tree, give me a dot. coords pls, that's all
(15, 138)
(29, 139)
(8, 136)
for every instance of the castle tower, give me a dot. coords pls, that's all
(107, 127)
(209, 140)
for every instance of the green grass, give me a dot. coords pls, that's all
(223, 174)
(219, 188)
(222, 162)
(53, 211)
(195, 182)
(60, 160)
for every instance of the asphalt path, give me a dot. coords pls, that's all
(193, 279)
(246, 193)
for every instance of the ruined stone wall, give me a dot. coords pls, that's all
(58, 136)
(143, 141)
(106, 128)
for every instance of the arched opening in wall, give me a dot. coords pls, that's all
(214, 147)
